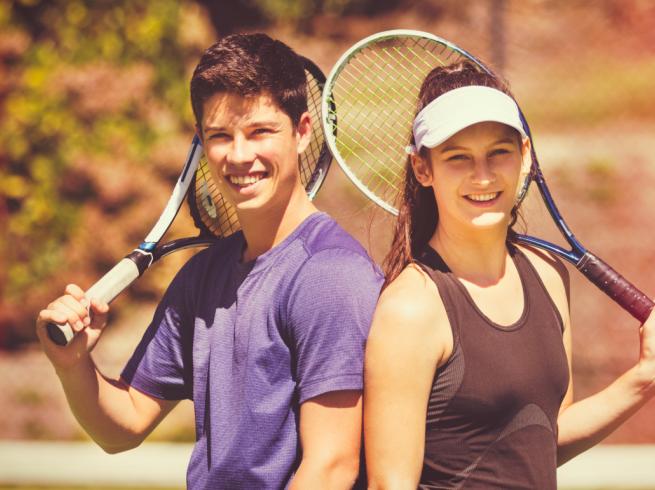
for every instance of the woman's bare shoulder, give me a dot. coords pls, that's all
(410, 310)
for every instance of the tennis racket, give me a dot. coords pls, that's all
(213, 216)
(371, 96)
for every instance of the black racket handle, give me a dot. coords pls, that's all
(616, 286)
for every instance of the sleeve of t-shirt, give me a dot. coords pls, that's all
(330, 307)
(161, 364)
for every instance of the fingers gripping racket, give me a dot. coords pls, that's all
(370, 96)
(213, 216)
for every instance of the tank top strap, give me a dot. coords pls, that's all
(434, 266)
(533, 284)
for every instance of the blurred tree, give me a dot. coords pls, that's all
(90, 90)
(229, 16)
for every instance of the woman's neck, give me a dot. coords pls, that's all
(479, 257)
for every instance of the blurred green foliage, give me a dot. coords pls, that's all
(230, 15)
(87, 87)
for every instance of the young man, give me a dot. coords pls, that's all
(264, 331)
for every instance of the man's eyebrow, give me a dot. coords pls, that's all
(263, 122)
(214, 128)
(254, 123)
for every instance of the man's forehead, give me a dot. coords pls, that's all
(229, 107)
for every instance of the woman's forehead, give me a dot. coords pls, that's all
(487, 131)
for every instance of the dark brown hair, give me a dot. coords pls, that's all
(249, 65)
(417, 211)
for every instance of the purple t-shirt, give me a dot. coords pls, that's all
(250, 342)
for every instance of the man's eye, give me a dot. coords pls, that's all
(214, 136)
(263, 131)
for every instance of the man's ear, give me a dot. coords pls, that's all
(304, 131)
(422, 170)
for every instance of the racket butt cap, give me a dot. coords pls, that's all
(59, 334)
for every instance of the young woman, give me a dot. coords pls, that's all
(467, 374)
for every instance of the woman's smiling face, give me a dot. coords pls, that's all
(475, 175)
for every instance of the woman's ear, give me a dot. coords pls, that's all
(526, 147)
(526, 157)
(422, 170)
(526, 166)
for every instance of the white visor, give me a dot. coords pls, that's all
(461, 108)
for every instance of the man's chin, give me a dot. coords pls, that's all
(254, 205)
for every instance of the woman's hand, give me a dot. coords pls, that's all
(646, 366)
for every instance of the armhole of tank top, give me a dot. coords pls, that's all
(441, 281)
(523, 259)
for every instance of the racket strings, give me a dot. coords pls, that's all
(214, 216)
(361, 113)
(218, 217)
(376, 93)
(316, 149)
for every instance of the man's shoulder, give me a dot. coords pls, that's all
(333, 256)
(219, 251)
(325, 235)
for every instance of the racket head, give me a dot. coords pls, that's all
(370, 101)
(215, 217)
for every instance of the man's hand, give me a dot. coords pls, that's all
(87, 319)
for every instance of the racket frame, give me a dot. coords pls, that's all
(595, 269)
(328, 104)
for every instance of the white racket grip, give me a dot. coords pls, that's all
(114, 282)
(105, 289)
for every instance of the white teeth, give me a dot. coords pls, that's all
(482, 197)
(245, 179)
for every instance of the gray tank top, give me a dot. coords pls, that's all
(492, 412)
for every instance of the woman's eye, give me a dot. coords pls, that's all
(459, 157)
(499, 151)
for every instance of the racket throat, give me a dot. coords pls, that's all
(142, 256)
